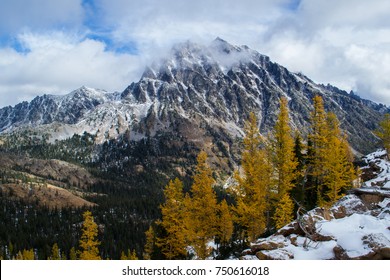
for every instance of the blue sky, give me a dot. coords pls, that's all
(57, 46)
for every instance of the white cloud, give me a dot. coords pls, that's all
(58, 63)
(314, 38)
(371, 69)
(154, 23)
(345, 43)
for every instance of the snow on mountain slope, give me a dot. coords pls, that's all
(46, 109)
(356, 227)
(196, 91)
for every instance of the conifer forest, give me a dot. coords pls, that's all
(186, 215)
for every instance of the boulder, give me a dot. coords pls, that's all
(379, 245)
(268, 245)
(339, 212)
(292, 228)
(275, 255)
(340, 253)
(369, 256)
(317, 237)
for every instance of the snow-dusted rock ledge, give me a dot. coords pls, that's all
(356, 227)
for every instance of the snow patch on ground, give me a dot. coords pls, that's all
(349, 232)
(354, 228)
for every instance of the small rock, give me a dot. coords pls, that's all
(294, 240)
(274, 255)
(371, 200)
(320, 238)
(270, 245)
(369, 256)
(340, 253)
(292, 228)
(379, 244)
(247, 252)
(248, 257)
(339, 212)
(385, 253)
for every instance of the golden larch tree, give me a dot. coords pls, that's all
(72, 254)
(26, 255)
(338, 166)
(284, 211)
(131, 255)
(284, 166)
(383, 132)
(317, 149)
(330, 158)
(174, 242)
(88, 241)
(151, 243)
(201, 220)
(225, 223)
(55, 252)
(253, 183)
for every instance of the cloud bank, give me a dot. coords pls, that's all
(57, 46)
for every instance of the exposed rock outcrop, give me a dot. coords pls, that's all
(356, 227)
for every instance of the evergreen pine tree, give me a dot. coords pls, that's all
(88, 241)
(298, 192)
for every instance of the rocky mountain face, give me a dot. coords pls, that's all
(200, 95)
(356, 227)
(117, 150)
(46, 109)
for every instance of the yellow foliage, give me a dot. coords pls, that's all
(131, 255)
(55, 252)
(284, 166)
(225, 223)
(253, 188)
(202, 209)
(282, 146)
(88, 241)
(339, 171)
(331, 159)
(383, 132)
(72, 254)
(25, 255)
(284, 211)
(318, 138)
(150, 243)
(173, 245)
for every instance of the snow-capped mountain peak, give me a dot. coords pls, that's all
(211, 89)
(46, 109)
